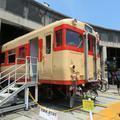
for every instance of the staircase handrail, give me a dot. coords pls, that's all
(6, 70)
(6, 79)
(12, 83)
(12, 71)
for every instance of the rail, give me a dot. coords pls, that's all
(13, 72)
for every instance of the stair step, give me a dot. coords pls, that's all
(5, 94)
(14, 88)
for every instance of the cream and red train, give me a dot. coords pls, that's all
(60, 49)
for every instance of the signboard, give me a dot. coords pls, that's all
(88, 105)
(48, 114)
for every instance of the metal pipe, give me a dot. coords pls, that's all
(36, 92)
(26, 98)
(86, 55)
(95, 59)
(26, 70)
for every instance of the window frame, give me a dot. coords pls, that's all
(18, 53)
(58, 46)
(47, 35)
(11, 54)
(92, 40)
(4, 58)
(73, 46)
(23, 46)
(40, 49)
(63, 27)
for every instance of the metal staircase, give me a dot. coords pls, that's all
(13, 75)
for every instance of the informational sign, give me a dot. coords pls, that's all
(48, 114)
(88, 105)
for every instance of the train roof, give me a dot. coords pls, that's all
(55, 24)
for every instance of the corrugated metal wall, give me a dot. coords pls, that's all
(29, 10)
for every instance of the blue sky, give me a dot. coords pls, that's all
(104, 13)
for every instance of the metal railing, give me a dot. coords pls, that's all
(29, 70)
(6, 70)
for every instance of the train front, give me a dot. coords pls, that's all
(74, 57)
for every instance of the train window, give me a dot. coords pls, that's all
(89, 45)
(98, 48)
(11, 56)
(22, 52)
(59, 38)
(74, 39)
(88, 28)
(80, 41)
(2, 58)
(48, 44)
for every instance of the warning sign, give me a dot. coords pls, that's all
(48, 114)
(88, 105)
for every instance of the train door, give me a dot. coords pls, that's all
(47, 56)
(34, 55)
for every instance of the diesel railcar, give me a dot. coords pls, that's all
(67, 52)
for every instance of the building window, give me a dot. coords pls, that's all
(74, 39)
(2, 58)
(48, 44)
(22, 52)
(59, 38)
(11, 56)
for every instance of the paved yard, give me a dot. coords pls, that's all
(104, 99)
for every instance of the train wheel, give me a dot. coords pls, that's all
(104, 86)
(91, 94)
(94, 94)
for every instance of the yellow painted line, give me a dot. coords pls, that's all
(101, 105)
(112, 112)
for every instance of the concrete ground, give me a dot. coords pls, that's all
(103, 101)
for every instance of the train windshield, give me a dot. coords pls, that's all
(74, 38)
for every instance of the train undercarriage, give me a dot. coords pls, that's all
(71, 93)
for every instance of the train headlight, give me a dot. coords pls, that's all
(83, 85)
(72, 67)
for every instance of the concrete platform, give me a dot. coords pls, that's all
(104, 99)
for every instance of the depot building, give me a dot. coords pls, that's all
(18, 17)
